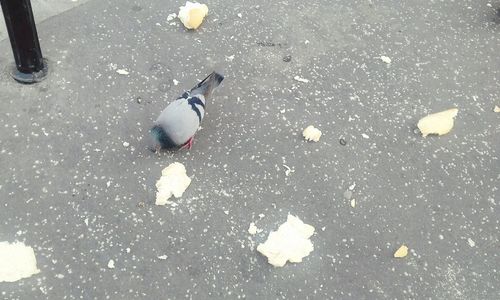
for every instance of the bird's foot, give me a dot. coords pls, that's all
(189, 144)
(154, 149)
(158, 150)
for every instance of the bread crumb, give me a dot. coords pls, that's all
(173, 182)
(192, 14)
(289, 243)
(17, 261)
(300, 79)
(401, 252)
(311, 134)
(438, 123)
(385, 59)
(252, 229)
(122, 72)
(111, 264)
(171, 16)
(496, 109)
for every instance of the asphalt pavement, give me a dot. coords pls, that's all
(71, 190)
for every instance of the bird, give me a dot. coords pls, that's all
(177, 124)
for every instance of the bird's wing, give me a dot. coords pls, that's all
(181, 119)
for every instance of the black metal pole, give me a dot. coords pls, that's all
(30, 66)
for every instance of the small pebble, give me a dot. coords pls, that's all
(138, 100)
(347, 195)
(342, 141)
(287, 58)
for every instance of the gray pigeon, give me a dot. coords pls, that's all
(180, 120)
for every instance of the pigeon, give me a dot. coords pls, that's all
(180, 120)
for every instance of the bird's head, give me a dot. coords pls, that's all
(161, 138)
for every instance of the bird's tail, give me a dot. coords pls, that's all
(207, 85)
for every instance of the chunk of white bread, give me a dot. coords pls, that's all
(438, 123)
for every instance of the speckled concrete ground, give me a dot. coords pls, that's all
(72, 191)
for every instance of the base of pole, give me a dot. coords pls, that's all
(28, 78)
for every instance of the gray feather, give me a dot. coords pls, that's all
(181, 119)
